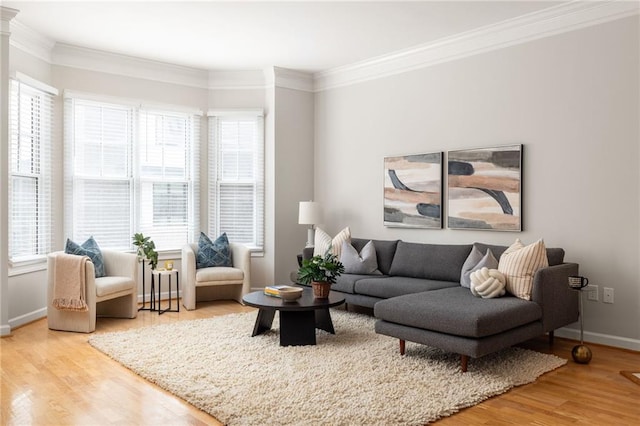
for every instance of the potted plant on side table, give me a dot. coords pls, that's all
(146, 249)
(320, 272)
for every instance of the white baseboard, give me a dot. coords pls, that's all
(5, 330)
(599, 338)
(27, 318)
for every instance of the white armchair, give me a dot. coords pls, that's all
(216, 283)
(114, 295)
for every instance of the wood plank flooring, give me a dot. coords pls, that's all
(57, 378)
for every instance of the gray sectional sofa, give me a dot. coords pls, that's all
(418, 297)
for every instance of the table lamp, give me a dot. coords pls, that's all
(309, 214)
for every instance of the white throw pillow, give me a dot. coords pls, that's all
(324, 242)
(474, 262)
(519, 264)
(487, 283)
(363, 263)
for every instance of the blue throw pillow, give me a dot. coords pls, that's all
(215, 253)
(88, 248)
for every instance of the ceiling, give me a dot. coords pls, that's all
(238, 35)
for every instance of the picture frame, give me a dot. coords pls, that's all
(413, 191)
(484, 188)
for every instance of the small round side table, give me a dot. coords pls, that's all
(581, 353)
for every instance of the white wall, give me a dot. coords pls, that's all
(571, 99)
(293, 175)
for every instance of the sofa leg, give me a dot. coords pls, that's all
(402, 346)
(464, 360)
(551, 335)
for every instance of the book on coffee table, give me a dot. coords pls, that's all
(274, 290)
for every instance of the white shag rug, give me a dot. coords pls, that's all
(353, 377)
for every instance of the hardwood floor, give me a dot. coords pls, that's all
(51, 377)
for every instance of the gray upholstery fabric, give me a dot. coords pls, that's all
(385, 251)
(431, 261)
(472, 260)
(398, 286)
(346, 282)
(456, 311)
(363, 262)
(555, 256)
(550, 290)
(461, 345)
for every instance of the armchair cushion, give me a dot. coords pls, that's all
(221, 273)
(216, 253)
(110, 285)
(88, 248)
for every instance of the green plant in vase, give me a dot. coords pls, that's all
(320, 272)
(146, 249)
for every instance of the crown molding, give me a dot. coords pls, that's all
(30, 41)
(237, 80)
(113, 63)
(291, 79)
(544, 23)
(6, 15)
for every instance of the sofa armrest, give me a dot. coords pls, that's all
(188, 284)
(307, 253)
(551, 291)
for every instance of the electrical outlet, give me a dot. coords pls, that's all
(607, 295)
(592, 292)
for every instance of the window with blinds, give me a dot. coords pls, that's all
(236, 177)
(166, 169)
(132, 170)
(30, 217)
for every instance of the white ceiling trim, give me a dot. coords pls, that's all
(292, 79)
(113, 63)
(536, 25)
(547, 22)
(237, 80)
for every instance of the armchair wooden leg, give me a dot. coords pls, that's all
(464, 360)
(402, 346)
(551, 335)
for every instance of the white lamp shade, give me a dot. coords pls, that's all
(309, 213)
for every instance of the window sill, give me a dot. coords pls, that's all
(27, 266)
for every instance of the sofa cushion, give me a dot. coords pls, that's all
(441, 262)
(362, 261)
(475, 262)
(324, 242)
(398, 286)
(554, 255)
(218, 273)
(456, 311)
(519, 263)
(346, 282)
(385, 250)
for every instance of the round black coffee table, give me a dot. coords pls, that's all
(298, 319)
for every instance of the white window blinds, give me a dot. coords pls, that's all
(100, 197)
(132, 170)
(167, 169)
(236, 177)
(30, 217)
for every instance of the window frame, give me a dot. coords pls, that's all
(215, 180)
(40, 136)
(135, 177)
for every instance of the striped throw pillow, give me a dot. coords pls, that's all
(519, 264)
(324, 242)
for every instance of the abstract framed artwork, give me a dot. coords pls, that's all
(413, 191)
(485, 188)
